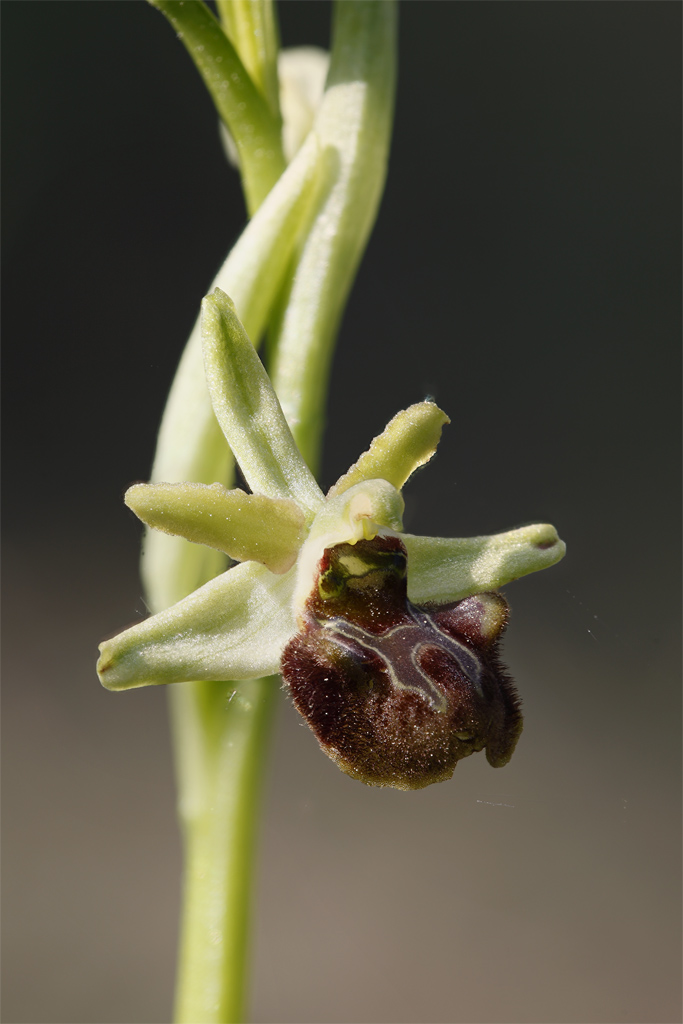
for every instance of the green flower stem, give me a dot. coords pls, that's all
(220, 730)
(255, 127)
(192, 447)
(221, 812)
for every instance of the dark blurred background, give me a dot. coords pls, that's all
(524, 270)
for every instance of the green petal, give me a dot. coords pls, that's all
(408, 441)
(441, 570)
(248, 409)
(244, 526)
(234, 627)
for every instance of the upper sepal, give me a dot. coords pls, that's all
(249, 411)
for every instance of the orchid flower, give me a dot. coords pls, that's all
(387, 642)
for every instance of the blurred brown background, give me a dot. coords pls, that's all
(524, 271)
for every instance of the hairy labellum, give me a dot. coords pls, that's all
(397, 694)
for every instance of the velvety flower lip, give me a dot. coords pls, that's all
(285, 535)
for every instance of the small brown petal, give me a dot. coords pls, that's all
(397, 694)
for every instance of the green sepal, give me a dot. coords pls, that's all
(407, 442)
(443, 569)
(234, 627)
(249, 412)
(243, 526)
(191, 445)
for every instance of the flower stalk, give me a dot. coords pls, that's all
(220, 730)
(386, 642)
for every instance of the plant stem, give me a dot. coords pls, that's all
(220, 729)
(220, 833)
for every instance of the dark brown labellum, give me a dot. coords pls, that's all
(397, 694)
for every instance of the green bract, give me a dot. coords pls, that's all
(238, 625)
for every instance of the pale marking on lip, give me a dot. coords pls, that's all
(354, 565)
(400, 655)
(469, 662)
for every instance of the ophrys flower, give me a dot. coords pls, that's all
(386, 641)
